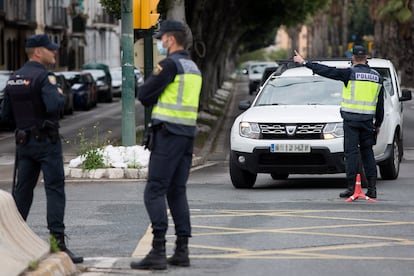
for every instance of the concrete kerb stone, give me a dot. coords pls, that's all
(222, 96)
(20, 246)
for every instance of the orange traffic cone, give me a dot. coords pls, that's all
(358, 191)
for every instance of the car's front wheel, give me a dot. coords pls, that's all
(240, 178)
(390, 168)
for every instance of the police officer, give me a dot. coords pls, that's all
(362, 102)
(34, 101)
(173, 90)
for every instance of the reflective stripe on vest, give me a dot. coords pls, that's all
(361, 95)
(179, 101)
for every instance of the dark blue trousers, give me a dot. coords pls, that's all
(358, 141)
(33, 157)
(168, 171)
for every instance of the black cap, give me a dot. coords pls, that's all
(359, 50)
(170, 26)
(40, 40)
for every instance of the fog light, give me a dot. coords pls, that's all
(242, 159)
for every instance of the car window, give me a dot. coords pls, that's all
(257, 69)
(387, 81)
(116, 74)
(313, 90)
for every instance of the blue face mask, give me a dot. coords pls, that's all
(161, 49)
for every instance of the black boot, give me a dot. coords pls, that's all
(60, 239)
(180, 257)
(350, 189)
(372, 187)
(156, 259)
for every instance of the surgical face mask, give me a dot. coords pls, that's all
(161, 49)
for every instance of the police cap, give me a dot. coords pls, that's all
(170, 26)
(40, 40)
(359, 50)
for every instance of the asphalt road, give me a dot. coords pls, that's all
(297, 226)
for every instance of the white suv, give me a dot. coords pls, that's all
(294, 126)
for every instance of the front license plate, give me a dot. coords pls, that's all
(290, 148)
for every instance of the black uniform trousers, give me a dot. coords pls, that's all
(35, 156)
(358, 141)
(168, 171)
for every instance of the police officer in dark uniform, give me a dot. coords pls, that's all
(33, 99)
(173, 90)
(362, 104)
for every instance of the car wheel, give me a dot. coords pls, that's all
(240, 178)
(279, 176)
(390, 168)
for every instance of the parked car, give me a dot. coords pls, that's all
(83, 88)
(4, 77)
(254, 70)
(116, 74)
(139, 80)
(103, 79)
(294, 126)
(65, 85)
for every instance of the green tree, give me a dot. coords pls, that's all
(224, 29)
(394, 38)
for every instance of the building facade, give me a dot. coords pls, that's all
(82, 29)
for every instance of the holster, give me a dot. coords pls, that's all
(148, 138)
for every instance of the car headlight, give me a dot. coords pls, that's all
(333, 130)
(249, 130)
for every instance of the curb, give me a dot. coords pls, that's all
(128, 173)
(21, 248)
(54, 265)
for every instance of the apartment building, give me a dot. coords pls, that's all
(81, 27)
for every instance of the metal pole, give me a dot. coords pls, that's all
(128, 80)
(148, 67)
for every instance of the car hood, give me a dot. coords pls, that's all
(116, 82)
(292, 114)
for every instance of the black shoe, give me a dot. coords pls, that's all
(60, 239)
(180, 257)
(156, 259)
(75, 259)
(371, 194)
(346, 193)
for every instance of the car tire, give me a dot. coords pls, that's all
(279, 176)
(240, 178)
(390, 168)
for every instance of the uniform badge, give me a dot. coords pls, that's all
(157, 69)
(52, 79)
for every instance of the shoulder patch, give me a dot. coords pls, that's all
(157, 69)
(52, 79)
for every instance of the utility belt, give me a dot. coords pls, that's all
(39, 134)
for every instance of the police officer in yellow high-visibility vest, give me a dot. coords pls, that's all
(173, 90)
(362, 104)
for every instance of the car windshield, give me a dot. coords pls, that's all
(312, 90)
(97, 74)
(116, 74)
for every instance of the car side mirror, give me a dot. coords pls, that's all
(244, 71)
(245, 104)
(406, 95)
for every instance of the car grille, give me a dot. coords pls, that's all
(273, 131)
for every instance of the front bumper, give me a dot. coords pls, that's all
(318, 161)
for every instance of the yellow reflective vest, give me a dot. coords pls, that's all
(361, 93)
(178, 103)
